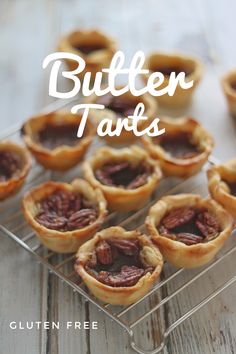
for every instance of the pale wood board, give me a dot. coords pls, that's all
(30, 30)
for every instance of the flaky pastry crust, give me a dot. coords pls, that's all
(120, 295)
(177, 253)
(181, 167)
(230, 93)
(68, 241)
(160, 60)
(96, 60)
(13, 184)
(151, 109)
(121, 199)
(218, 176)
(63, 157)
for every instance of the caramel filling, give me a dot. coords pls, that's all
(10, 164)
(89, 48)
(123, 174)
(179, 145)
(65, 211)
(53, 136)
(117, 262)
(122, 106)
(231, 186)
(189, 226)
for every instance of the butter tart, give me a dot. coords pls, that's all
(222, 185)
(52, 139)
(126, 176)
(118, 266)
(96, 48)
(229, 87)
(184, 147)
(168, 63)
(64, 215)
(15, 164)
(188, 230)
(122, 107)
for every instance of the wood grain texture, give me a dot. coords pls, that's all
(30, 29)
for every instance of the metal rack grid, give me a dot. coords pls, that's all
(16, 228)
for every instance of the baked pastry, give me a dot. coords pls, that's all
(118, 266)
(229, 87)
(15, 164)
(96, 48)
(52, 139)
(126, 176)
(188, 230)
(167, 63)
(184, 147)
(222, 185)
(64, 215)
(121, 107)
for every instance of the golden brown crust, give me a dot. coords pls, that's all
(122, 199)
(219, 190)
(120, 295)
(96, 60)
(13, 184)
(177, 253)
(171, 165)
(151, 109)
(63, 157)
(69, 241)
(181, 97)
(230, 93)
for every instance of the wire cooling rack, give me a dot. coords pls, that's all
(152, 305)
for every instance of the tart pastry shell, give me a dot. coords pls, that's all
(219, 189)
(181, 167)
(181, 97)
(229, 92)
(58, 241)
(13, 184)
(177, 253)
(63, 157)
(120, 295)
(96, 60)
(121, 199)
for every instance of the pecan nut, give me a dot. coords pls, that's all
(178, 217)
(128, 276)
(128, 247)
(207, 224)
(188, 238)
(9, 164)
(104, 253)
(82, 218)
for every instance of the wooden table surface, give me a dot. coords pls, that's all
(30, 30)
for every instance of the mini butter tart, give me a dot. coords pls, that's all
(64, 215)
(188, 229)
(118, 266)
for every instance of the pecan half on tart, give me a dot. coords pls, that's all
(64, 215)
(126, 176)
(15, 164)
(228, 83)
(222, 185)
(119, 266)
(95, 47)
(184, 147)
(168, 63)
(52, 139)
(188, 230)
(122, 107)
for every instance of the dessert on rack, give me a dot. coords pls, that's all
(127, 176)
(52, 139)
(184, 147)
(188, 229)
(64, 215)
(15, 164)
(118, 266)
